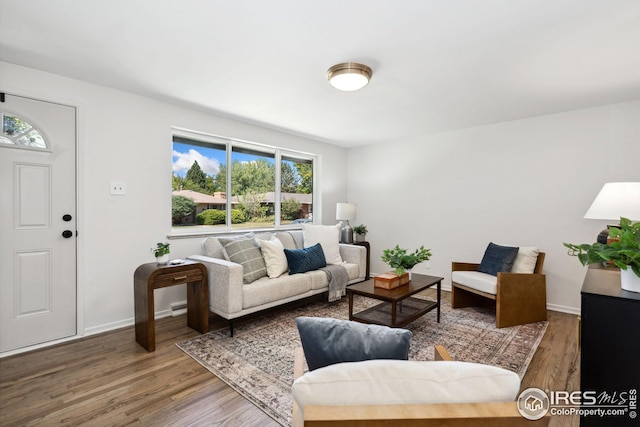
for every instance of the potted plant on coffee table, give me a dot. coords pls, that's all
(621, 250)
(401, 260)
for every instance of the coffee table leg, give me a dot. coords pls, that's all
(393, 314)
(350, 305)
(438, 297)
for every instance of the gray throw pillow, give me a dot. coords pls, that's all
(327, 341)
(498, 258)
(244, 250)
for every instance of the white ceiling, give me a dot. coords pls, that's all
(437, 65)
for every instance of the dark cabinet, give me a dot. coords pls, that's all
(610, 348)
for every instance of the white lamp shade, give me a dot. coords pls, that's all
(346, 211)
(615, 200)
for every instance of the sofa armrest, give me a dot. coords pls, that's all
(354, 254)
(464, 266)
(225, 285)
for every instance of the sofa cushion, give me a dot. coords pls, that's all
(274, 257)
(497, 258)
(267, 291)
(298, 238)
(379, 382)
(307, 259)
(327, 341)
(245, 251)
(212, 248)
(319, 278)
(329, 238)
(353, 270)
(287, 240)
(474, 279)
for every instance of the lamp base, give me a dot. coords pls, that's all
(603, 236)
(346, 234)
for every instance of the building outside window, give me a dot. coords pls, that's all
(268, 186)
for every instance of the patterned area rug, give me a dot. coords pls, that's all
(258, 361)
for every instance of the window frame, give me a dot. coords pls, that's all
(277, 152)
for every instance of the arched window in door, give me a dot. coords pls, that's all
(19, 133)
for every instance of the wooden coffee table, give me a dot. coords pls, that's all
(398, 308)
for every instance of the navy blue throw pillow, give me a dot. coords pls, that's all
(307, 259)
(498, 258)
(327, 341)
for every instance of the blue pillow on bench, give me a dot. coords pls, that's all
(327, 341)
(307, 259)
(498, 258)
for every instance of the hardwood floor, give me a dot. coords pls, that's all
(556, 364)
(110, 380)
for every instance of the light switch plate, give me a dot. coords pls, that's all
(118, 188)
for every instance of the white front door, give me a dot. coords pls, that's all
(37, 222)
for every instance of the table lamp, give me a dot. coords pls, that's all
(615, 200)
(346, 212)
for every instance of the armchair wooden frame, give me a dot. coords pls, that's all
(520, 298)
(486, 414)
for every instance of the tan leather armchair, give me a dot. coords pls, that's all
(519, 297)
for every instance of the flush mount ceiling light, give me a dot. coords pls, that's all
(349, 76)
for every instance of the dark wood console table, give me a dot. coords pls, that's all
(151, 276)
(368, 248)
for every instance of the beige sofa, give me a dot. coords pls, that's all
(230, 298)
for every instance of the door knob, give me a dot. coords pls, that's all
(67, 233)
(66, 217)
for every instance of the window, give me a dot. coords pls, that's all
(296, 190)
(268, 187)
(198, 182)
(19, 133)
(253, 184)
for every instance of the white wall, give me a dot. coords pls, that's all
(525, 182)
(125, 137)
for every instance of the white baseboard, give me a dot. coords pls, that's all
(178, 308)
(94, 330)
(563, 309)
(107, 327)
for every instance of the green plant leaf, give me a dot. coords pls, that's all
(623, 252)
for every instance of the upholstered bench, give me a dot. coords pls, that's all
(388, 382)
(359, 375)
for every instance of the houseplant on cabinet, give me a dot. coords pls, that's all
(621, 250)
(360, 232)
(161, 252)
